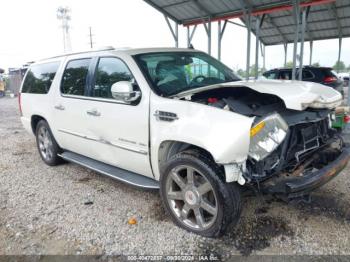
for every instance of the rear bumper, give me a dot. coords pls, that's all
(299, 186)
(27, 124)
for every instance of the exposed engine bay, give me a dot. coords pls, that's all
(307, 141)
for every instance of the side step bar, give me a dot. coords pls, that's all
(111, 171)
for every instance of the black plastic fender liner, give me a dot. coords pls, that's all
(298, 186)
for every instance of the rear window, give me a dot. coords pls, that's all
(329, 73)
(39, 78)
(75, 77)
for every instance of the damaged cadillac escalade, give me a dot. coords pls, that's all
(181, 121)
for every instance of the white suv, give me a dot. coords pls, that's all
(181, 121)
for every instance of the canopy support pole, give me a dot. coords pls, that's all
(249, 28)
(311, 50)
(303, 27)
(174, 32)
(221, 32)
(339, 52)
(285, 45)
(257, 39)
(208, 30)
(263, 50)
(190, 35)
(296, 15)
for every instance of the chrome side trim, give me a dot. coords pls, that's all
(102, 141)
(90, 98)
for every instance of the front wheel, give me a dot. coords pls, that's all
(195, 196)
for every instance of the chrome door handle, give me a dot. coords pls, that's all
(93, 112)
(59, 107)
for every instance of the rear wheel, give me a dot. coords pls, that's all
(195, 196)
(47, 145)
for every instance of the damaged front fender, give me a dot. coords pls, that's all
(224, 134)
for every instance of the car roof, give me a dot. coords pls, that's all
(305, 67)
(117, 51)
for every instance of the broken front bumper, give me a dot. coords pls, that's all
(293, 187)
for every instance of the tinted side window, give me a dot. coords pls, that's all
(39, 78)
(307, 75)
(285, 75)
(110, 70)
(75, 76)
(270, 75)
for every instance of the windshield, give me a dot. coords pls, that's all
(171, 73)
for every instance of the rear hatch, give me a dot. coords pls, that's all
(330, 78)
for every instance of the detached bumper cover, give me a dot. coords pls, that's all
(298, 186)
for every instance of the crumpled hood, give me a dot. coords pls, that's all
(296, 95)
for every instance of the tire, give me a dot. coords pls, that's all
(184, 199)
(47, 145)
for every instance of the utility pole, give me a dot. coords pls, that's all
(63, 14)
(90, 37)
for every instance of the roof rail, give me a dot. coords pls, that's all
(106, 48)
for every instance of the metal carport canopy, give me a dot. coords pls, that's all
(273, 22)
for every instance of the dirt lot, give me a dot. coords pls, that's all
(71, 210)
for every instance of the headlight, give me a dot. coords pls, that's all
(266, 136)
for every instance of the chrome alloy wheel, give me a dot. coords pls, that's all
(45, 143)
(191, 197)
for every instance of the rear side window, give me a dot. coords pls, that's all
(307, 75)
(110, 70)
(75, 76)
(271, 75)
(39, 78)
(285, 75)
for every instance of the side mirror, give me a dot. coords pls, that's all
(123, 91)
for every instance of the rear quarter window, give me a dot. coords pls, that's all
(39, 78)
(307, 75)
(74, 78)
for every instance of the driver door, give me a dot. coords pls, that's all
(121, 128)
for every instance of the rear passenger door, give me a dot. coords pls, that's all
(70, 108)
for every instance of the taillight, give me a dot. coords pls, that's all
(329, 79)
(19, 104)
(346, 119)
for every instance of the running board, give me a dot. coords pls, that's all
(111, 171)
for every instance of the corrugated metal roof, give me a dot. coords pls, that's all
(326, 19)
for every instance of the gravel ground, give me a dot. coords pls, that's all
(70, 210)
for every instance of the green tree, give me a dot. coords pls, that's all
(339, 66)
(289, 64)
(252, 70)
(241, 73)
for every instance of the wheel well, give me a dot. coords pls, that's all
(35, 120)
(168, 149)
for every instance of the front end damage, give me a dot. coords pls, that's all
(292, 152)
(310, 156)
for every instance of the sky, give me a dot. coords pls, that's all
(30, 31)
